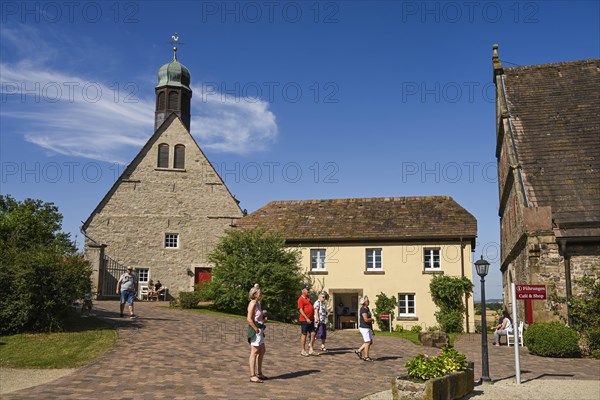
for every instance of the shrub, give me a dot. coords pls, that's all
(41, 272)
(585, 311)
(551, 339)
(423, 367)
(384, 305)
(399, 328)
(416, 328)
(188, 299)
(448, 294)
(450, 320)
(245, 257)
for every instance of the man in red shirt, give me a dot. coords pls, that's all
(306, 321)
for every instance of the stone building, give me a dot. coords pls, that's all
(548, 151)
(167, 210)
(366, 246)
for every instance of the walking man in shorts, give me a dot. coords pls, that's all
(307, 326)
(127, 287)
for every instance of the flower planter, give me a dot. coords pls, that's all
(449, 387)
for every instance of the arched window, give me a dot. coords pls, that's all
(163, 155)
(173, 100)
(160, 103)
(179, 156)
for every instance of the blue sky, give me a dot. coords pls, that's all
(292, 100)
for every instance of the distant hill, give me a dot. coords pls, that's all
(489, 301)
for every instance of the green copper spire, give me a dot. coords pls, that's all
(174, 73)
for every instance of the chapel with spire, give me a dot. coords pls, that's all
(167, 210)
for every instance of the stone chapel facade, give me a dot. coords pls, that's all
(169, 207)
(548, 151)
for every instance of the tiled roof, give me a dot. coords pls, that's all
(555, 112)
(368, 219)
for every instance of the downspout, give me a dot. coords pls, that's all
(462, 274)
(567, 256)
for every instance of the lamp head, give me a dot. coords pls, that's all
(482, 266)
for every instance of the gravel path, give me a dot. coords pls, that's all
(17, 379)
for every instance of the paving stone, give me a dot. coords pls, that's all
(179, 354)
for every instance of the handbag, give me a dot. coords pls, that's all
(252, 332)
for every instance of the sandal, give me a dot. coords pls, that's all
(255, 379)
(367, 359)
(304, 353)
(323, 348)
(262, 377)
(358, 353)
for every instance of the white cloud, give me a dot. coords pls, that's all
(230, 124)
(70, 114)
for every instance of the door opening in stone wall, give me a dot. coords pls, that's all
(201, 275)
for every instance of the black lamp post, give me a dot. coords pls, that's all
(482, 267)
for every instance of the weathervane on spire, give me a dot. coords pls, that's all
(175, 42)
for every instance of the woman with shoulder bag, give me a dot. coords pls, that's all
(256, 318)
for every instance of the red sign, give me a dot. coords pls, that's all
(531, 292)
(384, 317)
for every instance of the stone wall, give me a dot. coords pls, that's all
(541, 261)
(147, 202)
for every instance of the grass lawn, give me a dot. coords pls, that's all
(84, 340)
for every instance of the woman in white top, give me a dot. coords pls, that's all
(505, 328)
(320, 307)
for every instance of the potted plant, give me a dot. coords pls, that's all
(446, 376)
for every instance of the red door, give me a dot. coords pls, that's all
(202, 275)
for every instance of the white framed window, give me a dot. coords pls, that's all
(406, 305)
(317, 259)
(373, 259)
(143, 274)
(431, 259)
(171, 240)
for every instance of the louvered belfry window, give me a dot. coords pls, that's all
(179, 161)
(163, 155)
(160, 104)
(173, 100)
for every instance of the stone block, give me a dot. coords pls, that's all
(437, 339)
(450, 387)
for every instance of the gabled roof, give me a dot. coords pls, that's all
(555, 114)
(366, 219)
(136, 160)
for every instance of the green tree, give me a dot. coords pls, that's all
(245, 257)
(384, 305)
(42, 273)
(448, 294)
